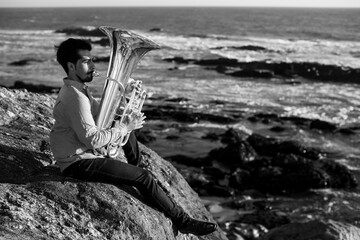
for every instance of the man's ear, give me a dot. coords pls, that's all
(71, 66)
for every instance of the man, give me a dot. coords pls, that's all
(74, 136)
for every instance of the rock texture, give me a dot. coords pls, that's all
(315, 230)
(36, 202)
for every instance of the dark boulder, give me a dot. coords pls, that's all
(316, 229)
(82, 31)
(25, 62)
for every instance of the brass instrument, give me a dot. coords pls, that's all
(127, 48)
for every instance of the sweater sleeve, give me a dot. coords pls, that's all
(83, 124)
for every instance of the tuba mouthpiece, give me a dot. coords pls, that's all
(96, 74)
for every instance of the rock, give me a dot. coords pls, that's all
(82, 31)
(314, 230)
(274, 166)
(37, 202)
(169, 111)
(37, 88)
(263, 145)
(102, 59)
(236, 152)
(253, 73)
(271, 147)
(269, 69)
(322, 125)
(156, 30)
(245, 48)
(24, 62)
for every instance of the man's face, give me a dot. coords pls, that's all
(84, 66)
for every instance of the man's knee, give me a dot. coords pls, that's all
(132, 151)
(146, 177)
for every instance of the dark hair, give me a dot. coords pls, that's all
(67, 51)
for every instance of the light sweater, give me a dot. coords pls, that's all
(75, 135)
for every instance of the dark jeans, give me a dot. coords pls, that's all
(112, 171)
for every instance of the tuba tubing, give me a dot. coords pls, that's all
(126, 50)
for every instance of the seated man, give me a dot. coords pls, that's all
(74, 136)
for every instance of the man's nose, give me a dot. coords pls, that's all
(92, 65)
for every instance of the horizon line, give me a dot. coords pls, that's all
(185, 6)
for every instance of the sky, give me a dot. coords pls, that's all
(138, 3)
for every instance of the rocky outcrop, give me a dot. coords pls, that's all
(314, 230)
(87, 31)
(268, 69)
(36, 202)
(266, 164)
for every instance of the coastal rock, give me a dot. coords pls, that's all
(273, 166)
(265, 164)
(82, 31)
(253, 73)
(156, 29)
(266, 69)
(24, 62)
(36, 88)
(236, 152)
(245, 48)
(174, 110)
(36, 202)
(271, 147)
(314, 230)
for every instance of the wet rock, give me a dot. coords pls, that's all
(245, 48)
(187, 161)
(320, 230)
(244, 231)
(278, 129)
(218, 62)
(266, 218)
(236, 152)
(183, 114)
(271, 147)
(25, 62)
(253, 73)
(82, 31)
(240, 179)
(156, 30)
(264, 145)
(268, 69)
(273, 166)
(37, 202)
(102, 59)
(211, 136)
(145, 136)
(341, 176)
(288, 174)
(36, 88)
(178, 60)
(322, 125)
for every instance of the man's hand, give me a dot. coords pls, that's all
(131, 84)
(132, 121)
(135, 121)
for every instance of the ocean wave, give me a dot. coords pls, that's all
(25, 32)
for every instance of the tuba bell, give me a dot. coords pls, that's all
(127, 48)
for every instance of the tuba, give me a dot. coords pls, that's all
(127, 48)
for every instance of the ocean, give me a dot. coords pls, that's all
(299, 37)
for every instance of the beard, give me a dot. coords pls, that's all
(88, 77)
